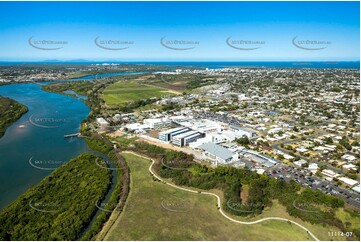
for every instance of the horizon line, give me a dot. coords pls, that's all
(183, 60)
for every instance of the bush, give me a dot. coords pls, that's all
(70, 191)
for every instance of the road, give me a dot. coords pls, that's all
(219, 201)
(277, 147)
(305, 179)
(350, 197)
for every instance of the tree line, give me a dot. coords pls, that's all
(61, 206)
(319, 207)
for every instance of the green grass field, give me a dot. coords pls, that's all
(155, 211)
(123, 92)
(353, 220)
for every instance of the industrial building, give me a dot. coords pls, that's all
(190, 131)
(167, 135)
(157, 123)
(184, 139)
(103, 124)
(261, 159)
(218, 154)
(202, 125)
(240, 131)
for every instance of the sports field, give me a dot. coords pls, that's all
(156, 211)
(123, 92)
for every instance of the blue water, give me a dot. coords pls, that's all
(34, 145)
(38, 134)
(265, 64)
(220, 64)
(104, 75)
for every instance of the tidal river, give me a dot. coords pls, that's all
(34, 146)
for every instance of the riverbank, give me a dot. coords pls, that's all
(39, 133)
(49, 118)
(112, 204)
(61, 205)
(10, 111)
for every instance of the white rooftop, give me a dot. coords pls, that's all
(357, 188)
(348, 181)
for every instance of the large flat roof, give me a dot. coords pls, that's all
(235, 126)
(199, 124)
(217, 150)
(173, 130)
(262, 156)
(262, 160)
(192, 136)
(356, 188)
(183, 135)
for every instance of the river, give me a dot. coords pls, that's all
(33, 146)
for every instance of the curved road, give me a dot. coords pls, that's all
(219, 201)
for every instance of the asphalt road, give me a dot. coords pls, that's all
(277, 147)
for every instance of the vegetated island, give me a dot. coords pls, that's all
(10, 111)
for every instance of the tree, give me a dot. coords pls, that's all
(339, 147)
(328, 141)
(352, 176)
(355, 143)
(243, 141)
(345, 143)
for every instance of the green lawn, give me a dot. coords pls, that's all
(352, 218)
(123, 92)
(155, 211)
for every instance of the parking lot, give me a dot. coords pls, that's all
(307, 179)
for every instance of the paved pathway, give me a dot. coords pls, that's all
(219, 201)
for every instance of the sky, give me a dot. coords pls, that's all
(146, 31)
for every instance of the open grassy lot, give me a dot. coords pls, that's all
(123, 92)
(155, 211)
(350, 218)
(181, 82)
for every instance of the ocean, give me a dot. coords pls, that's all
(214, 64)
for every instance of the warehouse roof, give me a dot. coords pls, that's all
(217, 150)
